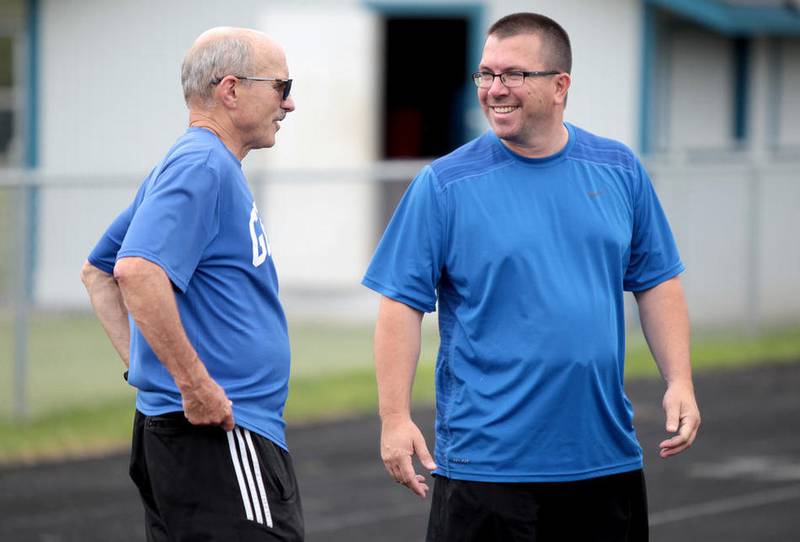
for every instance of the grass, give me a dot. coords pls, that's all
(721, 350)
(7, 231)
(80, 405)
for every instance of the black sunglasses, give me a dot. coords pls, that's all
(285, 84)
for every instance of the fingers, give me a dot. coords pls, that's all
(673, 417)
(682, 417)
(401, 469)
(687, 433)
(421, 449)
(209, 406)
(413, 481)
(418, 485)
(228, 422)
(399, 442)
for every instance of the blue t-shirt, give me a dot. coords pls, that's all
(528, 259)
(195, 217)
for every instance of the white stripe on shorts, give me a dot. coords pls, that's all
(248, 472)
(237, 468)
(259, 481)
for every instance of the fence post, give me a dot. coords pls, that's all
(753, 303)
(21, 299)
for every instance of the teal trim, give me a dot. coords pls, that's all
(741, 63)
(775, 86)
(32, 86)
(32, 145)
(647, 77)
(473, 12)
(735, 20)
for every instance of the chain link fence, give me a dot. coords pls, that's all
(736, 225)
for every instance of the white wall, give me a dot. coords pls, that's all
(111, 100)
(735, 226)
(322, 229)
(701, 90)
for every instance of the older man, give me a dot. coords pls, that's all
(190, 263)
(526, 238)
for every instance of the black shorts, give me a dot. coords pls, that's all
(605, 509)
(201, 483)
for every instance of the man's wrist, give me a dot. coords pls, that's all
(191, 376)
(394, 415)
(682, 381)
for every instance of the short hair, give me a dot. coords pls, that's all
(211, 61)
(554, 37)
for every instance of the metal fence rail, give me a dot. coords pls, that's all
(735, 221)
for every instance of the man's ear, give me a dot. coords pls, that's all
(226, 91)
(562, 82)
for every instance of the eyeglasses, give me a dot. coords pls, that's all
(284, 85)
(509, 79)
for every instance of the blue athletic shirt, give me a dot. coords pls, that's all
(528, 259)
(195, 217)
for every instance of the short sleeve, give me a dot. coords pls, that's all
(104, 254)
(654, 255)
(407, 264)
(176, 220)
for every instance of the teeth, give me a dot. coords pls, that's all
(506, 109)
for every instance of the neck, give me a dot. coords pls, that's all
(542, 142)
(221, 129)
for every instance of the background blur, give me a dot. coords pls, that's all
(707, 92)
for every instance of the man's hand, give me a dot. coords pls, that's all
(205, 403)
(400, 440)
(148, 295)
(683, 418)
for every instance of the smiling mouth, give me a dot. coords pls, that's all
(504, 108)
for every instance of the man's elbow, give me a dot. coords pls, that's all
(90, 274)
(133, 271)
(126, 271)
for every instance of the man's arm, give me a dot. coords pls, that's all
(665, 322)
(110, 308)
(148, 294)
(397, 348)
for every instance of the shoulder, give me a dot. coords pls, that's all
(198, 149)
(602, 151)
(471, 159)
(197, 158)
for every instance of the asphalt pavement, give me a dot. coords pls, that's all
(740, 482)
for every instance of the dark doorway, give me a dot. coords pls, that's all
(425, 70)
(425, 73)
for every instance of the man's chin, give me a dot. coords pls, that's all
(503, 131)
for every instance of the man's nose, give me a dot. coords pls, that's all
(498, 88)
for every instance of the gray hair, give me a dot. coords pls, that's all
(208, 62)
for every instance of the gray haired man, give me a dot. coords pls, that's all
(207, 347)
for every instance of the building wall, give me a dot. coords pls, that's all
(789, 95)
(700, 91)
(111, 101)
(734, 225)
(322, 225)
(111, 104)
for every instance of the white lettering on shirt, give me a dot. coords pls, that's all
(261, 248)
